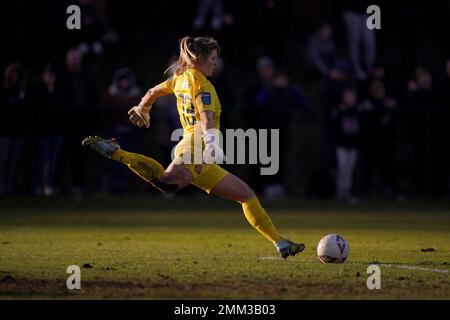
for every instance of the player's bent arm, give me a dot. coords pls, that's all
(151, 96)
(206, 118)
(140, 114)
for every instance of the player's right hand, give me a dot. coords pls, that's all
(212, 153)
(139, 117)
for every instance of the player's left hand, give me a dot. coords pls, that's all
(213, 153)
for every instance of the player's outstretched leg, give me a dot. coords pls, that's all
(147, 168)
(260, 220)
(233, 188)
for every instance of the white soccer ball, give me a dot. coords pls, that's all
(333, 248)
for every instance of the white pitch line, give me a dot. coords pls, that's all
(379, 264)
(412, 268)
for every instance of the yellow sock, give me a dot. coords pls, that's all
(260, 220)
(146, 168)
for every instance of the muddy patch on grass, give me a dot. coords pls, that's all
(167, 288)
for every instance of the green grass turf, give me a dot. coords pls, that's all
(188, 249)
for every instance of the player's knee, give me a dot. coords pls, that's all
(246, 193)
(171, 182)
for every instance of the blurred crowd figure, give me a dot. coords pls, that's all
(346, 119)
(204, 7)
(14, 122)
(80, 101)
(122, 93)
(354, 131)
(49, 132)
(322, 52)
(358, 35)
(269, 102)
(378, 151)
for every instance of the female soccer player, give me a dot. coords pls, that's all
(199, 109)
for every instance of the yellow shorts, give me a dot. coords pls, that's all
(206, 176)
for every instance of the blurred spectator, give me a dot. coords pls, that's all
(379, 137)
(331, 90)
(377, 74)
(347, 129)
(266, 71)
(122, 94)
(440, 135)
(334, 85)
(355, 18)
(14, 123)
(92, 30)
(379, 174)
(223, 87)
(80, 100)
(322, 50)
(204, 8)
(275, 105)
(263, 79)
(419, 102)
(421, 84)
(49, 130)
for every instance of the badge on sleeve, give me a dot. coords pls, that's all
(206, 98)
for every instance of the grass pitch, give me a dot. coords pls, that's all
(148, 248)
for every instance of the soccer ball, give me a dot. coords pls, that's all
(332, 248)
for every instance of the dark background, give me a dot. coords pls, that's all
(403, 151)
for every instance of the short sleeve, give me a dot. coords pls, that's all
(204, 101)
(167, 86)
(204, 98)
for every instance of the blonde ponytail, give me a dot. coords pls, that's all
(191, 50)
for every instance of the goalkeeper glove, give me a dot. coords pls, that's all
(140, 116)
(213, 153)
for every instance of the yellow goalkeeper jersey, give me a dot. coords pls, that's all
(195, 94)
